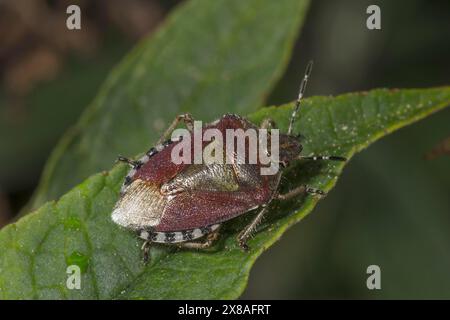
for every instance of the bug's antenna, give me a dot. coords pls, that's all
(300, 95)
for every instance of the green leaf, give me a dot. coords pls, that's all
(209, 57)
(78, 230)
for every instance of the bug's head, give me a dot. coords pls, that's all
(290, 148)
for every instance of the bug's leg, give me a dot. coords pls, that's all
(210, 239)
(314, 191)
(315, 158)
(245, 234)
(146, 250)
(131, 163)
(146, 235)
(268, 123)
(188, 121)
(293, 193)
(299, 190)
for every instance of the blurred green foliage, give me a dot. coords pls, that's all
(26, 138)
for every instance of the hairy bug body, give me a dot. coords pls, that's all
(169, 202)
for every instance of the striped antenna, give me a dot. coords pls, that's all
(300, 95)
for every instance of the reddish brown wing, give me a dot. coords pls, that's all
(196, 210)
(160, 168)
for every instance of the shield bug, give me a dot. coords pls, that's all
(172, 202)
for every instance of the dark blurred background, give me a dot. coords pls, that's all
(390, 208)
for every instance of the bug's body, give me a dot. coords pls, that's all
(169, 202)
